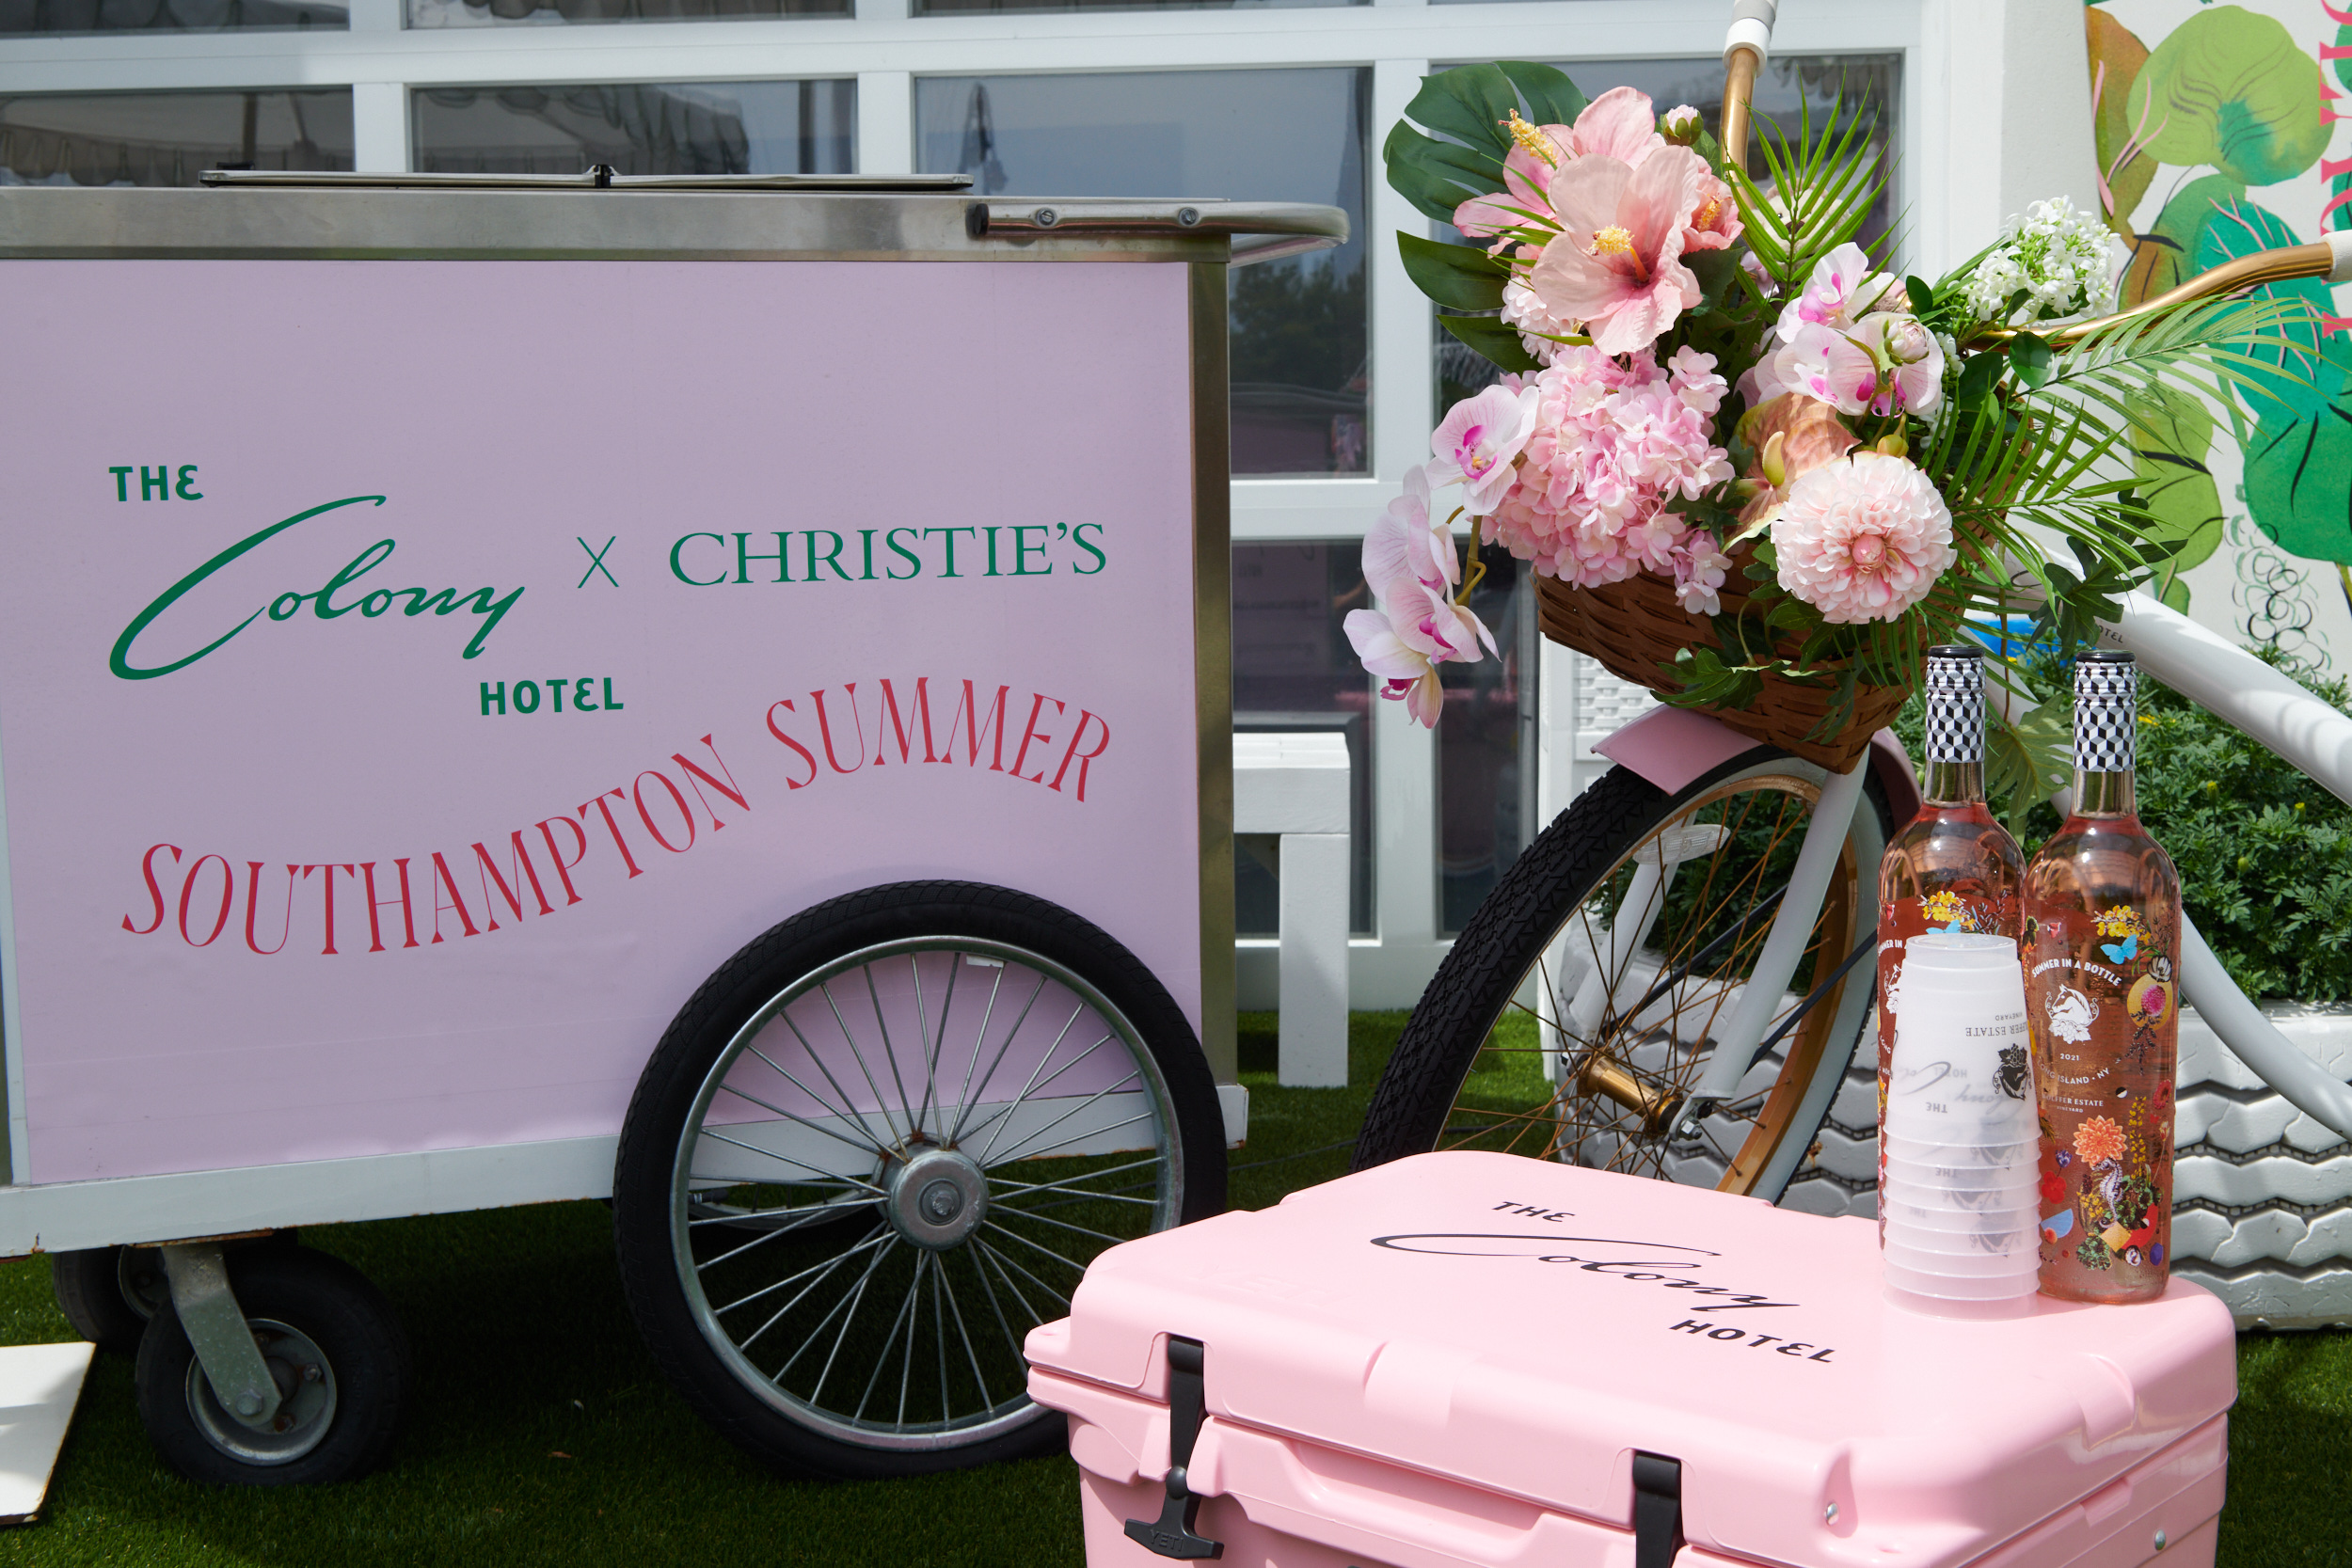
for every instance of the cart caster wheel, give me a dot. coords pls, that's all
(879, 1146)
(336, 1351)
(108, 1293)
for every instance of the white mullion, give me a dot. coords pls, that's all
(886, 122)
(379, 127)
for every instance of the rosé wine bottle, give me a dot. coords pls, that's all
(1953, 867)
(2102, 933)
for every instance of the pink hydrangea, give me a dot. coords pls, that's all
(1863, 539)
(1614, 446)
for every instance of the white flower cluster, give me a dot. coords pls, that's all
(2056, 256)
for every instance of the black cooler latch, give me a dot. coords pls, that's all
(1171, 1534)
(1657, 1510)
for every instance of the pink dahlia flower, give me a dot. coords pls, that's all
(1863, 540)
(1478, 438)
(1617, 263)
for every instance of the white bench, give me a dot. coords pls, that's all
(1296, 784)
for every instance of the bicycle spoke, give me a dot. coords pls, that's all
(745, 1344)
(1089, 1101)
(848, 1111)
(881, 1102)
(1008, 1267)
(768, 1290)
(890, 1052)
(1060, 1224)
(1039, 1247)
(1081, 1137)
(866, 1144)
(972, 1096)
(988, 1401)
(1035, 1084)
(846, 1097)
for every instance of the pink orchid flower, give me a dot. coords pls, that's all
(1842, 290)
(1821, 363)
(1910, 363)
(1479, 438)
(1404, 638)
(1618, 264)
(1410, 543)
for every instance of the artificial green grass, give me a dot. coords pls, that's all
(543, 1435)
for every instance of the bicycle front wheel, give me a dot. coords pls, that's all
(1574, 1016)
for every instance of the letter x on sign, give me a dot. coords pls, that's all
(596, 562)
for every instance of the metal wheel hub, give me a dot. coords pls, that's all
(306, 1384)
(937, 1197)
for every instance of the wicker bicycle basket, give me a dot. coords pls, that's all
(1634, 626)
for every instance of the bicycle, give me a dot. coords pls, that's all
(1666, 981)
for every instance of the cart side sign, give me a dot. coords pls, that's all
(427, 896)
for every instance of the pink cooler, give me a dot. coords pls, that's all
(1473, 1360)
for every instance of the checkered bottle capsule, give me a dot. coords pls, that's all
(2107, 712)
(1955, 690)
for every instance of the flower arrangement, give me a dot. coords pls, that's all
(1716, 396)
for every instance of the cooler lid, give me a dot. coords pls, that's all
(1518, 1325)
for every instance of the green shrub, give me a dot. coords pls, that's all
(2265, 854)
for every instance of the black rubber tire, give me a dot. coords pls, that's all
(1474, 983)
(658, 1112)
(351, 1325)
(88, 1288)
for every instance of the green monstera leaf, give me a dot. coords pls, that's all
(2232, 88)
(2299, 451)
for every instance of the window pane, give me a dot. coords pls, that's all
(168, 139)
(645, 128)
(533, 13)
(1293, 670)
(1300, 371)
(20, 17)
(1487, 746)
(1792, 87)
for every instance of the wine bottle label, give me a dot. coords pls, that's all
(1955, 717)
(2102, 1005)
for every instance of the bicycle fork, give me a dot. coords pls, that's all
(1602, 989)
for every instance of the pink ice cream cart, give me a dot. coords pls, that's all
(709, 693)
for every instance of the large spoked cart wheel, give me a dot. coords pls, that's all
(1521, 1044)
(883, 1143)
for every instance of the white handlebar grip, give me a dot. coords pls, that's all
(2341, 244)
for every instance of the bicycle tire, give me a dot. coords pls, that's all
(1414, 1105)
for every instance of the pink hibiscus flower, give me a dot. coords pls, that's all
(1617, 265)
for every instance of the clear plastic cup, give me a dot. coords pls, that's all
(1944, 1286)
(1962, 1222)
(2024, 1199)
(2023, 1150)
(2003, 1233)
(1969, 1265)
(1948, 1178)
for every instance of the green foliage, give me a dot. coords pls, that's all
(1822, 185)
(1458, 277)
(1468, 107)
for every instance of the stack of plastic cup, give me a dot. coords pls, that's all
(1961, 1235)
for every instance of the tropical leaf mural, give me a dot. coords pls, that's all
(2210, 121)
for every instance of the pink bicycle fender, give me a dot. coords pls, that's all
(1674, 747)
